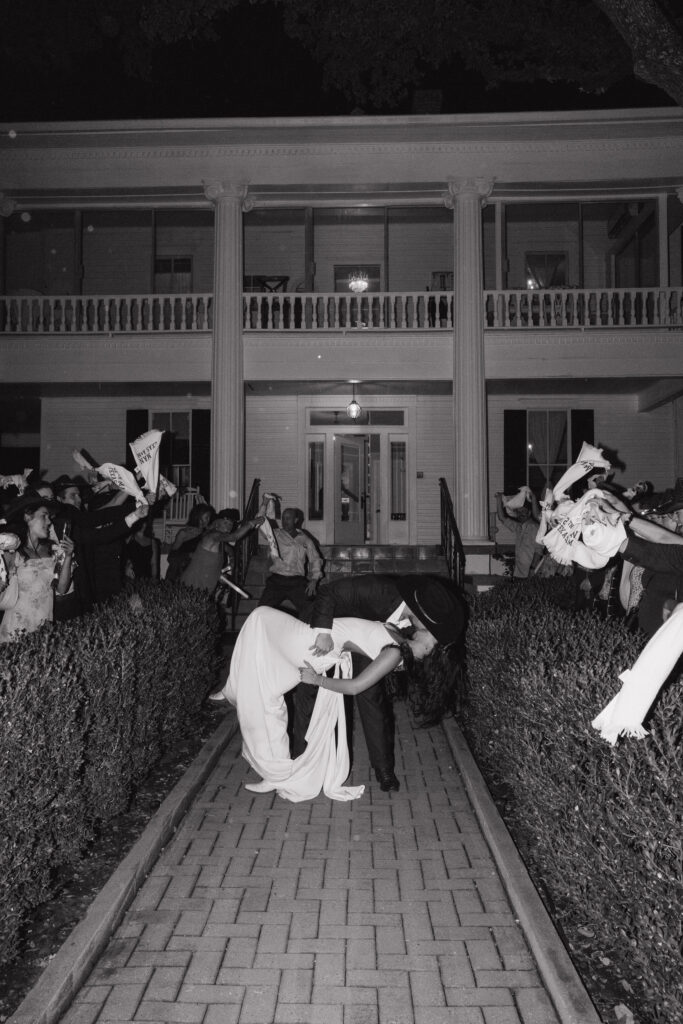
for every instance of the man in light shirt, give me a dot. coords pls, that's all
(296, 571)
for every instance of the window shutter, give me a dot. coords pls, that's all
(514, 449)
(582, 429)
(201, 451)
(137, 422)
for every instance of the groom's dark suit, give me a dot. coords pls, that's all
(368, 596)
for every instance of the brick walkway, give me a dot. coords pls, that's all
(385, 910)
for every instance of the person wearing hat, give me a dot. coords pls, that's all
(413, 602)
(275, 651)
(36, 570)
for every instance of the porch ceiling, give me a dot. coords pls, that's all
(341, 388)
(663, 388)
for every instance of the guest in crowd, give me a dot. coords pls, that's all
(298, 568)
(187, 538)
(213, 550)
(521, 514)
(659, 551)
(98, 573)
(38, 571)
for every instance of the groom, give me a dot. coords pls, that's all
(431, 602)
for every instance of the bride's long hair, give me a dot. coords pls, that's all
(432, 687)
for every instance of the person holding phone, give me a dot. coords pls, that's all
(37, 571)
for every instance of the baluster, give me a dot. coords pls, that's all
(662, 311)
(498, 309)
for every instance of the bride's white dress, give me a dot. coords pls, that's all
(271, 648)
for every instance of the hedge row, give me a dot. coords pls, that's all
(599, 827)
(86, 709)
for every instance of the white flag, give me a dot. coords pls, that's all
(589, 458)
(122, 479)
(145, 449)
(166, 487)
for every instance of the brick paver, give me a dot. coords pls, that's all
(384, 910)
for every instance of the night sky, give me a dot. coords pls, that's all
(254, 70)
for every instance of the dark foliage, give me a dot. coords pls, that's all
(86, 709)
(599, 827)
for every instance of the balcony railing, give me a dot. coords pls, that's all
(104, 314)
(314, 311)
(584, 307)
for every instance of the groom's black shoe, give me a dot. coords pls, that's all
(388, 782)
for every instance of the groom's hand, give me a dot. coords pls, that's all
(323, 644)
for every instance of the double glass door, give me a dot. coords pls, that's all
(367, 501)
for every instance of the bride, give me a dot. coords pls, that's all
(273, 654)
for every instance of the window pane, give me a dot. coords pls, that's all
(398, 480)
(316, 479)
(161, 421)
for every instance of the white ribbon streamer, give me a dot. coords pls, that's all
(624, 714)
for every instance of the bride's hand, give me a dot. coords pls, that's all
(308, 675)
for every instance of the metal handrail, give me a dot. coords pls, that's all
(451, 542)
(245, 549)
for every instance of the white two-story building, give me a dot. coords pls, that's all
(489, 290)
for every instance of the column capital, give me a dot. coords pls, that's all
(227, 191)
(7, 205)
(476, 188)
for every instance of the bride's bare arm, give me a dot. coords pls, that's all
(385, 662)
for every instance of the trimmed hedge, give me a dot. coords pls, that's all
(599, 827)
(86, 709)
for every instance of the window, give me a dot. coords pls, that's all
(539, 445)
(172, 275)
(442, 281)
(174, 455)
(316, 479)
(546, 269)
(399, 488)
(340, 418)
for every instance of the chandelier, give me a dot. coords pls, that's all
(353, 409)
(358, 282)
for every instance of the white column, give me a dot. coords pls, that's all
(470, 489)
(663, 232)
(227, 377)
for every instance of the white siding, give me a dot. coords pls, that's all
(272, 450)
(418, 245)
(275, 249)
(98, 424)
(193, 239)
(434, 459)
(347, 237)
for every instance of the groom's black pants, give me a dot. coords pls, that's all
(374, 709)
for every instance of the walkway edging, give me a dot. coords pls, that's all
(563, 983)
(66, 972)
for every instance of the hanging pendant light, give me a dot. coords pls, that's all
(353, 409)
